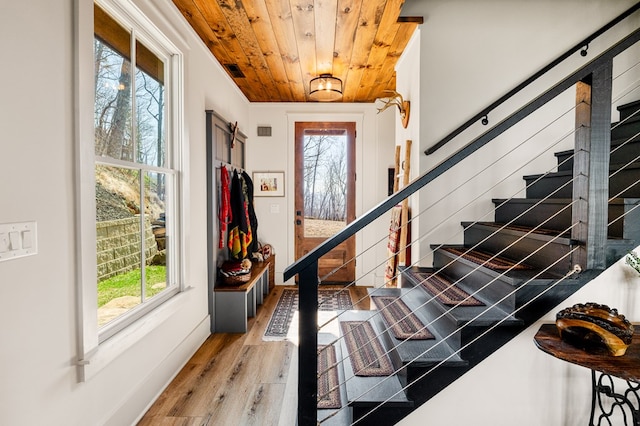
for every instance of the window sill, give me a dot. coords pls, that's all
(120, 343)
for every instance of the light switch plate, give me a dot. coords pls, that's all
(4, 242)
(17, 240)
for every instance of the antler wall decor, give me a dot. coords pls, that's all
(397, 100)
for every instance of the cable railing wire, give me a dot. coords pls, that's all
(427, 234)
(444, 339)
(461, 185)
(623, 93)
(503, 227)
(495, 304)
(422, 376)
(428, 301)
(471, 295)
(479, 196)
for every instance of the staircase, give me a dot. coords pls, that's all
(507, 273)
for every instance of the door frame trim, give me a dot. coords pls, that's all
(348, 274)
(358, 118)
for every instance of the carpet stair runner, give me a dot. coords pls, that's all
(493, 281)
(533, 246)
(487, 260)
(331, 400)
(362, 345)
(418, 352)
(456, 309)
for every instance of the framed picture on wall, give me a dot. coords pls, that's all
(268, 184)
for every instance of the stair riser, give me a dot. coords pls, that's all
(625, 227)
(552, 186)
(381, 416)
(618, 183)
(476, 280)
(621, 155)
(550, 215)
(565, 161)
(627, 110)
(536, 252)
(626, 130)
(624, 219)
(427, 382)
(444, 326)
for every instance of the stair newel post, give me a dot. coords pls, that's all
(591, 166)
(308, 345)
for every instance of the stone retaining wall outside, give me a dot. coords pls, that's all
(119, 246)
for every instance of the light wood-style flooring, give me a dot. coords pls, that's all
(236, 379)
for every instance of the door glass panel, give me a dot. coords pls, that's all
(325, 182)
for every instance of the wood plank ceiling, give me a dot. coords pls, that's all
(273, 48)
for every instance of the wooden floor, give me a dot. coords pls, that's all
(237, 379)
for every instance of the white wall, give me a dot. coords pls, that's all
(38, 328)
(408, 83)
(374, 155)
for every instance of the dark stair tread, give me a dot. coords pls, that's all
(564, 201)
(485, 259)
(621, 149)
(539, 233)
(424, 353)
(514, 277)
(527, 211)
(335, 416)
(483, 315)
(569, 173)
(614, 144)
(500, 201)
(370, 391)
(542, 248)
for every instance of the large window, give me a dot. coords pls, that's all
(135, 174)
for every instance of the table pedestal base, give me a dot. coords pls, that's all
(610, 403)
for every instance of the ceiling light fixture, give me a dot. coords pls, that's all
(325, 88)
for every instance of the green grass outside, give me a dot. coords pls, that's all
(128, 284)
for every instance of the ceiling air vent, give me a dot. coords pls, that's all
(234, 70)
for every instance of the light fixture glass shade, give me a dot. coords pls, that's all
(325, 88)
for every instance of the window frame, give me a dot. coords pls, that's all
(98, 346)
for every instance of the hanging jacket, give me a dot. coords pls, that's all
(253, 219)
(224, 211)
(239, 230)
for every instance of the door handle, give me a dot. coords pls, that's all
(298, 222)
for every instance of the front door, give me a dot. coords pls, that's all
(325, 194)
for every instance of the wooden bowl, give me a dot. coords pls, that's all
(592, 324)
